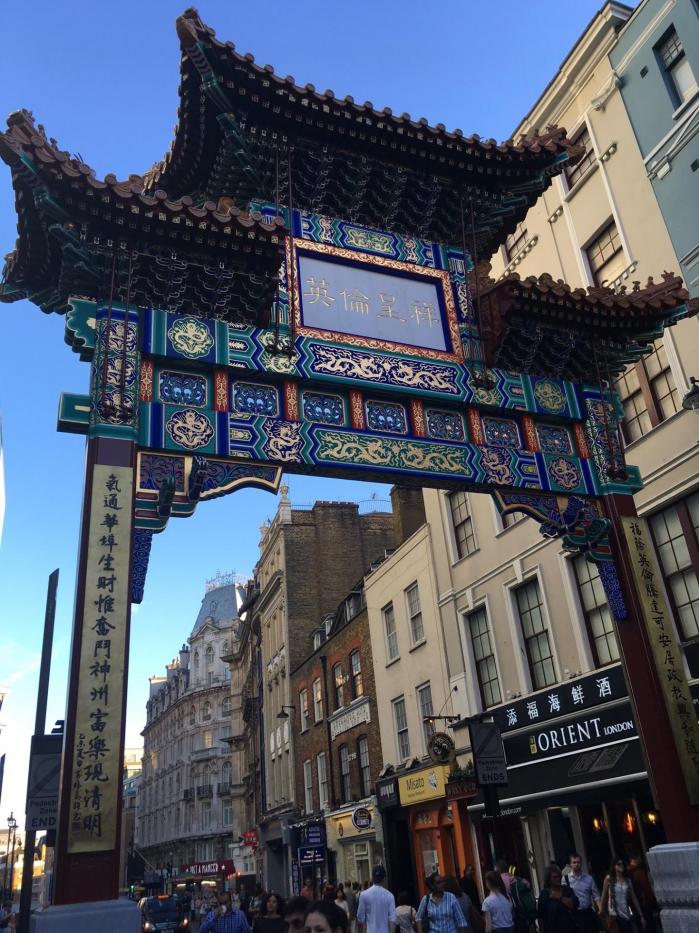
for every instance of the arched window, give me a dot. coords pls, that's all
(192, 716)
(196, 661)
(226, 706)
(226, 773)
(224, 649)
(209, 655)
(178, 782)
(339, 682)
(206, 711)
(206, 776)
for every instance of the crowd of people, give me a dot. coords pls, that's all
(569, 902)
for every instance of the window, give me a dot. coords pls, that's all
(424, 705)
(228, 812)
(417, 630)
(206, 711)
(575, 172)
(338, 682)
(512, 518)
(303, 705)
(401, 722)
(389, 625)
(345, 774)
(208, 737)
(209, 655)
(486, 668)
(308, 785)
(514, 243)
(206, 814)
(226, 773)
(317, 700)
(606, 256)
(226, 706)
(192, 716)
(678, 72)
(675, 535)
(364, 766)
(648, 394)
(598, 618)
(463, 525)
(356, 675)
(322, 765)
(536, 637)
(196, 661)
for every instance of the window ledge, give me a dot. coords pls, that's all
(571, 192)
(418, 644)
(685, 105)
(515, 261)
(392, 661)
(657, 427)
(465, 557)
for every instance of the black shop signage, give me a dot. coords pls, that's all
(313, 834)
(387, 793)
(573, 697)
(601, 726)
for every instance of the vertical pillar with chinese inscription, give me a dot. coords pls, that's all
(87, 852)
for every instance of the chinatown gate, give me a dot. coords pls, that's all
(296, 287)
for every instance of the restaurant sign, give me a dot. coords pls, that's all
(666, 651)
(425, 784)
(199, 869)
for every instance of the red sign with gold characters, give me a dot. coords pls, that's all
(250, 838)
(666, 651)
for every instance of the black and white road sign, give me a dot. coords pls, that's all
(42, 786)
(488, 754)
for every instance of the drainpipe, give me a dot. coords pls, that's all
(331, 757)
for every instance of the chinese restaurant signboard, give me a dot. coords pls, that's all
(666, 652)
(96, 776)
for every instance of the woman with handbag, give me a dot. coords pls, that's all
(619, 900)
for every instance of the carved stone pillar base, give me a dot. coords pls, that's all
(675, 869)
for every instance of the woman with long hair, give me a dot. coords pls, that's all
(557, 904)
(498, 912)
(619, 900)
(270, 918)
(452, 885)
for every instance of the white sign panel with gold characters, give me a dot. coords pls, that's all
(96, 777)
(666, 652)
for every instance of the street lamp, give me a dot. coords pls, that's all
(691, 400)
(282, 714)
(11, 828)
(12, 863)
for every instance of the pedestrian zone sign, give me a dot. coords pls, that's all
(42, 786)
(488, 754)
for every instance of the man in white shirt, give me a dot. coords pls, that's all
(377, 906)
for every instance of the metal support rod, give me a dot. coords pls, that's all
(25, 897)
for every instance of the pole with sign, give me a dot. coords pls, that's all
(489, 761)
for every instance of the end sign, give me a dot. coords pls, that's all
(488, 754)
(42, 786)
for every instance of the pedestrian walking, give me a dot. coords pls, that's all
(295, 914)
(643, 888)
(473, 916)
(439, 911)
(503, 869)
(585, 889)
(405, 913)
(271, 917)
(225, 918)
(325, 917)
(619, 900)
(497, 908)
(557, 904)
(308, 891)
(469, 887)
(351, 897)
(377, 906)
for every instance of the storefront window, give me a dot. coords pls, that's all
(430, 856)
(361, 861)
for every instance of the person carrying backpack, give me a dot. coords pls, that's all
(524, 904)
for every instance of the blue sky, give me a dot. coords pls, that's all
(102, 78)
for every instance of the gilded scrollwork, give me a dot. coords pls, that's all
(284, 441)
(343, 447)
(371, 367)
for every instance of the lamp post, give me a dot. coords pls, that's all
(15, 847)
(11, 829)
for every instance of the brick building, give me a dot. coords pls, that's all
(309, 562)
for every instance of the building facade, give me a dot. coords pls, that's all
(528, 633)
(185, 812)
(656, 62)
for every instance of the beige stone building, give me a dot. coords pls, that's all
(525, 626)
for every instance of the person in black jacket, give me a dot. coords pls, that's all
(557, 904)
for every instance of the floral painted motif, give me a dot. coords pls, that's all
(386, 416)
(155, 470)
(189, 429)
(190, 337)
(324, 409)
(550, 395)
(564, 473)
(446, 425)
(553, 440)
(252, 399)
(182, 389)
(501, 432)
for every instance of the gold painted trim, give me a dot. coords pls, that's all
(371, 343)
(141, 491)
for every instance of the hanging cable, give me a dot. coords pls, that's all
(291, 276)
(105, 404)
(482, 380)
(610, 467)
(470, 310)
(276, 216)
(125, 340)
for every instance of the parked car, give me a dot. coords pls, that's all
(162, 913)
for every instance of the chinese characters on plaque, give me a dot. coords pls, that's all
(351, 299)
(96, 776)
(666, 652)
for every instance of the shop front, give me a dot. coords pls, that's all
(576, 780)
(355, 836)
(214, 875)
(312, 862)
